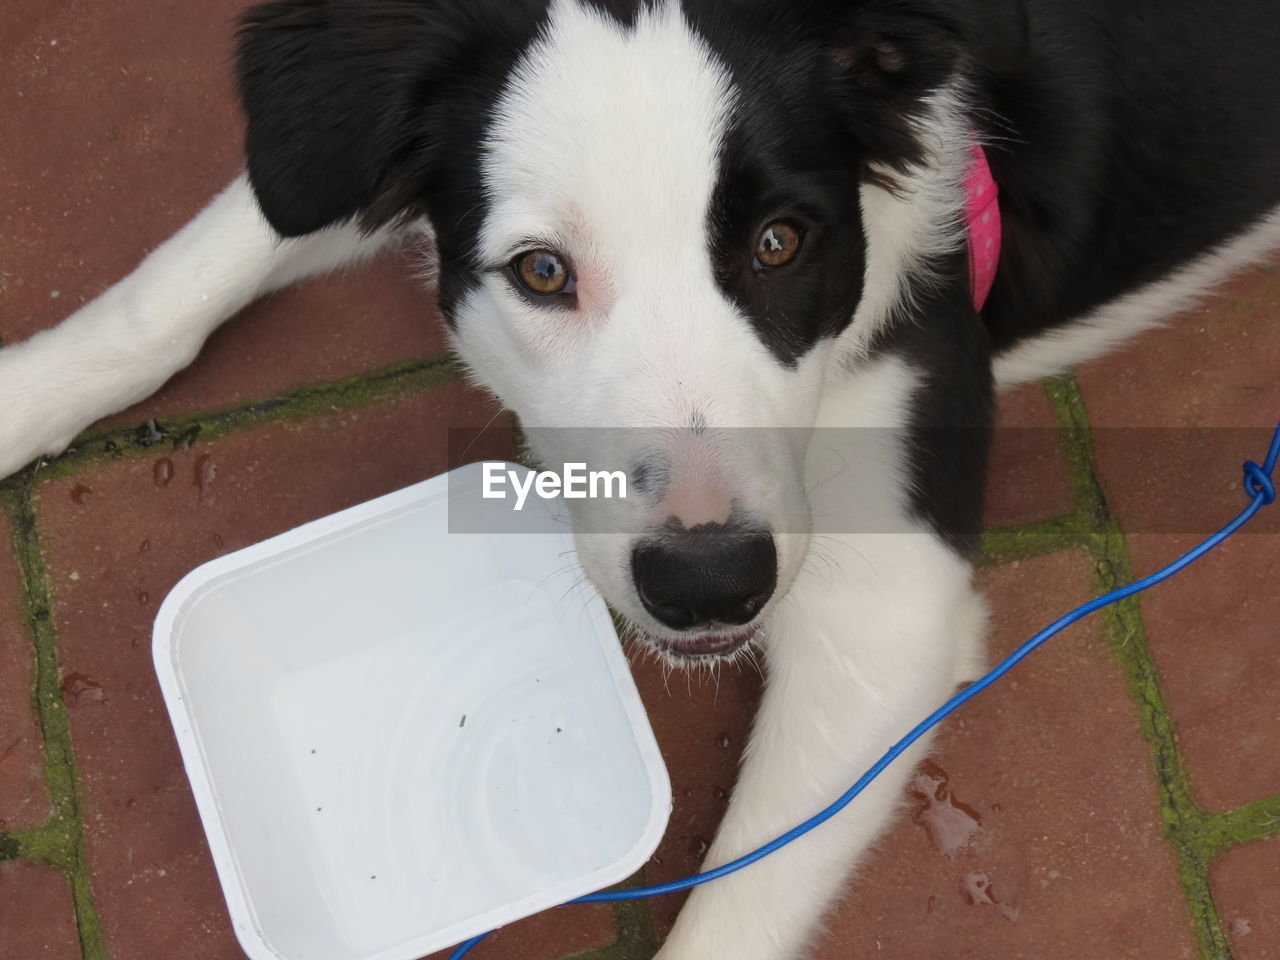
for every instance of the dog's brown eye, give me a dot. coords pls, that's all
(778, 245)
(542, 272)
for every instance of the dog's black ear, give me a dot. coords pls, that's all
(329, 90)
(892, 55)
(897, 49)
(997, 34)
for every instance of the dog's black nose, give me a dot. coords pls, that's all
(709, 574)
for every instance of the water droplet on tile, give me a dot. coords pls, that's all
(656, 860)
(143, 597)
(162, 472)
(950, 823)
(80, 494)
(78, 690)
(205, 472)
(974, 888)
(977, 890)
(721, 794)
(698, 846)
(218, 541)
(144, 547)
(1007, 910)
(724, 740)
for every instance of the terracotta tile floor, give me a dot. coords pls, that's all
(1118, 797)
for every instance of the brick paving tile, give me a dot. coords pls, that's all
(24, 802)
(323, 329)
(1212, 374)
(1028, 476)
(701, 726)
(549, 935)
(36, 918)
(1214, 366)
(118, 536)
(1034, 831)
(1177, 412)
(119, 125)
(1246, 888)
(146, 132)
(1172, 481)
(1213, 639)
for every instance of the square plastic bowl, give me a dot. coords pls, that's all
(399, 737)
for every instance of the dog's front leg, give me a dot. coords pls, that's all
(876, 632)
(850, 671)
(122, 346)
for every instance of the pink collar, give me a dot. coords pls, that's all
(982, 213)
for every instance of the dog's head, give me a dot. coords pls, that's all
(654, 218)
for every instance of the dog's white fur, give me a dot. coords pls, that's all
(858, 649)
(654, 342)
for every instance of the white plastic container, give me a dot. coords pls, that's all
(399, 737)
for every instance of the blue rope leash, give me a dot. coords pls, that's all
(1258, 486)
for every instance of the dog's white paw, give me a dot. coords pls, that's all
(25, 434)
(41, 409)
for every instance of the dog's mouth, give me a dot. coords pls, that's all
(706, 646)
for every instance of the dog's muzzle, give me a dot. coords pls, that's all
(710, 582)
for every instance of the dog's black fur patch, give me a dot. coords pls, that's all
(948, 431)
(1131, 138)
(377, 109)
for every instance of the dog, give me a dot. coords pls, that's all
(734, 233)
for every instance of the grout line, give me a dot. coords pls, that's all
(1187, 828)
(619, 951)
(60, 842)
(1025, 542)
(120, 442)
(1259, 820)
(49, 843)
(635, 929)
(636, 940)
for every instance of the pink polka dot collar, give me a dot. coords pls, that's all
(982, 213)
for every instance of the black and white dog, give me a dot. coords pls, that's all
(736, 214)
